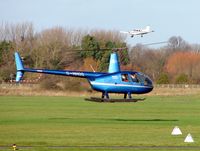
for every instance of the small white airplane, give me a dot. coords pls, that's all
(135, 32)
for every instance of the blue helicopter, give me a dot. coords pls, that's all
(113, 81)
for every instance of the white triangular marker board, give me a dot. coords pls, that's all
(189, 139)
(176, 131)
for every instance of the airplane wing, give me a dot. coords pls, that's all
(124, 32)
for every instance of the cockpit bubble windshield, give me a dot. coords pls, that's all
(143, 79)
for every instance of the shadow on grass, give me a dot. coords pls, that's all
(146, 120)
(113, 120)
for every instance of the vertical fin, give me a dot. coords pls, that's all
(147, 28)
(19, 67)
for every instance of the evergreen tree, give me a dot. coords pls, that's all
(163, 79)
(182, 79)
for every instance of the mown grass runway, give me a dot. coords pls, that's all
(71, 121)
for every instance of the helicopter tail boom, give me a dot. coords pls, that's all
(70, 73)
(81, 74)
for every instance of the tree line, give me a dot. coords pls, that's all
(62, 48)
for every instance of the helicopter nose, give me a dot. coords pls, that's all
(150, 85)
(149, 89)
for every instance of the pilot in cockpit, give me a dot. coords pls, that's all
(134, 78)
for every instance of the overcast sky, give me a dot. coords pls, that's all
(168, 18)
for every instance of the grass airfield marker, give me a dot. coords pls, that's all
(14, 147)
(189, 139)
(176, 131)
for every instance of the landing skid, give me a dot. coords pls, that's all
(102, 100)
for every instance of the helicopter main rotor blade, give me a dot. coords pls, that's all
(104, 49)
(155, 43)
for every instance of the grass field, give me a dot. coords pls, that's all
(42, 121)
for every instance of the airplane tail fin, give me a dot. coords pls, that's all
(147, 28)
(114, 63)
(19, 67)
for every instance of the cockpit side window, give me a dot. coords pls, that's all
(125, 77)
